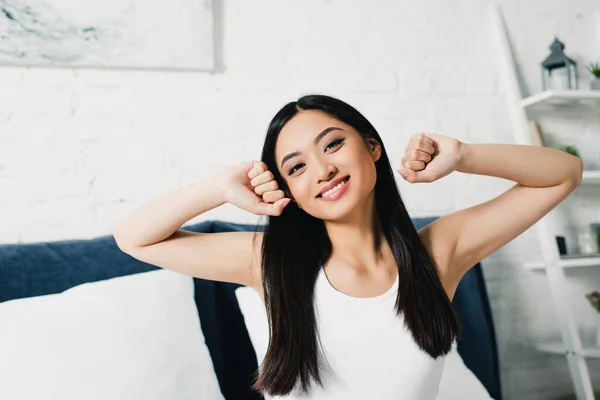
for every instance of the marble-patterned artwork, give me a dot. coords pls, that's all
(160, 34)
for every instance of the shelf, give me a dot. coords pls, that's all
(590, 178)
(567, 263)
(562, 98)
(559, 348)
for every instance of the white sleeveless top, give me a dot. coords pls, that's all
(371, 354)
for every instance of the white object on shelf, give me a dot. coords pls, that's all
(587, 242)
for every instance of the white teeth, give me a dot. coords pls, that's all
(334, 189)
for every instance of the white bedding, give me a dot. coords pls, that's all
(126, 338)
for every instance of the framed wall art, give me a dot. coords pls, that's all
(140, 34)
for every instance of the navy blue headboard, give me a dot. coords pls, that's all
(37, 269)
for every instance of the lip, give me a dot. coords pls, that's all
(333, 184)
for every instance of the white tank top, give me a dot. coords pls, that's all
(371, 354)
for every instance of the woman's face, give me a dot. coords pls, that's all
(314, 151)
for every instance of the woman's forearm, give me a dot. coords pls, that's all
(163, 216)
(528, 165)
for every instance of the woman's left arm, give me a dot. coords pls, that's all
(530, 166)
(544, 177)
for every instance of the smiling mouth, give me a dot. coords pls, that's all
(335, 188)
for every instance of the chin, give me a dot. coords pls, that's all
(337, 210)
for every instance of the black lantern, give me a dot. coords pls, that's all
(558, 70)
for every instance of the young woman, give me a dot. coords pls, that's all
(358, 301)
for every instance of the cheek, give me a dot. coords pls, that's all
(368, 175)
(373, 173)
(299, 189)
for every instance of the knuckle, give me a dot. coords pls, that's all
(270, 196)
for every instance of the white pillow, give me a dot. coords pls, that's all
(457, 382)
(126, 338)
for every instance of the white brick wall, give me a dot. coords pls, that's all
(80, 149)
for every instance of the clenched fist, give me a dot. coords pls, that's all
(252, 187)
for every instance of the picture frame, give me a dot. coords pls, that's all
(136, 34)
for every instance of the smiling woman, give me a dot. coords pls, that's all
(358, 301)
(347, 228)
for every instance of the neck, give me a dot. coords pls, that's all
(358, 242)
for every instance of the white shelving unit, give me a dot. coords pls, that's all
(590, 178)
(551, 262)
(559, 348)
(566, 263)
(552, 99)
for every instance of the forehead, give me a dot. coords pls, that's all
(302, 129)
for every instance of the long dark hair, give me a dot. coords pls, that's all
(296, 245)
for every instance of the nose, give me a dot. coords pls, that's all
(325, 171)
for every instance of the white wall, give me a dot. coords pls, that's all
(80, 149)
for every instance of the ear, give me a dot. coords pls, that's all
(374, 148)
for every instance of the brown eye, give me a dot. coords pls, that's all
(294, 168)
(334, 143)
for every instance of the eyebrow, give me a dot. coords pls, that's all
(315, 142)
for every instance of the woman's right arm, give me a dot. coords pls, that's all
(152, 233)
